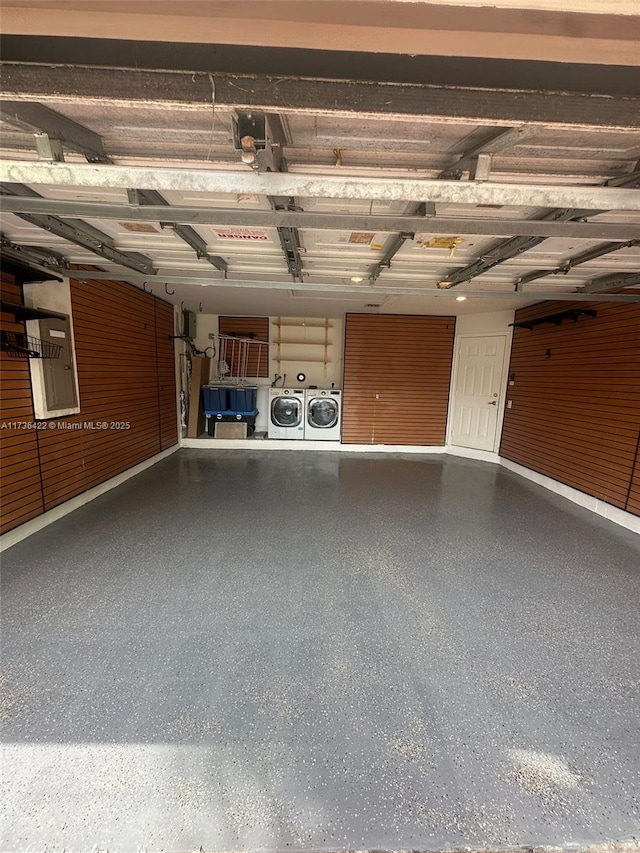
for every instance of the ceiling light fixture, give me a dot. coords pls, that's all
(461, 298)
(357, 278)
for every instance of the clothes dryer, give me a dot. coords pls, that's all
(322, 414)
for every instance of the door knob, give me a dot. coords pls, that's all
(493, 403)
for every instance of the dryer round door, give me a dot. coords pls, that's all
(323, 412)
(286, 412)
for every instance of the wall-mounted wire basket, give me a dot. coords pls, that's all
(19, 345)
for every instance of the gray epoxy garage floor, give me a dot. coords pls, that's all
(321, 650)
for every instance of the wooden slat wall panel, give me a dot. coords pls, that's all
(396, 379)
(20, 489)
(115, 338)
(633, 498)
(258, 327)
(575, 412)
(126, 375)
(168, 423)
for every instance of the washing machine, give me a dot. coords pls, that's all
(323, 414)
(286, 413)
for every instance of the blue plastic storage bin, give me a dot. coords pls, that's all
(242, 399)
(215, 399)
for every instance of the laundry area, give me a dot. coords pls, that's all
(320, 428)
(249, 392)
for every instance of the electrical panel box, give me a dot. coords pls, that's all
(54, 381)
(59, 376)
(189, 324)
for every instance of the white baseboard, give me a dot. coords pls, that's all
(612, 513)
(427, 449)
(12, 537)
(472, 453)
(600, 507)
(292, 444)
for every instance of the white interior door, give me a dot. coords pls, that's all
(477, 389)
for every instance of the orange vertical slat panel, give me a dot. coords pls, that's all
(396, 379)
(575, 410)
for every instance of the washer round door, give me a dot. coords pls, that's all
(323, 412)
(286, 412)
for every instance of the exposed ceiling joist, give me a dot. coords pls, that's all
(630, 180)
(275, 136)
(31, 255)
(508, 249)
(578, 260)
(502, 140)
(73, 136)
(90, 238)
(25, 272)
(82, 234)
(615, 281)
(319, 186)
(503, 107)
(396, 244)
(185, 232)
(366, 291)
(191, 237)
(391, 251)
(332, 221)
(290, 242)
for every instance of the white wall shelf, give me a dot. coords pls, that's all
(297, 343)
(303, 324)
(312, 349)
(301, 360)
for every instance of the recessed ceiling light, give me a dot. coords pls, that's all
(461, 298)
(357, 278)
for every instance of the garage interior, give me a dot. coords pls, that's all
(415, 630)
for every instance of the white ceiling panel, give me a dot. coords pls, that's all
(223, 201)
(347, 245)
(115, 195)
(379, 207)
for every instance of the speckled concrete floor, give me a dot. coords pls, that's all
(321, 650)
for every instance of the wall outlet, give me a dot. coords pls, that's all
(509, 404)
